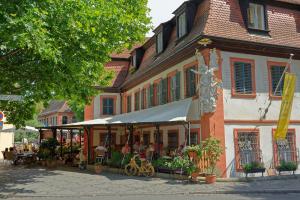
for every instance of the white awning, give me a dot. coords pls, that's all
(168, 113)
(11, 128)
(172, 112)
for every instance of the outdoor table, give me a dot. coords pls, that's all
(25, 157)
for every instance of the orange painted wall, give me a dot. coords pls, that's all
(212, 124)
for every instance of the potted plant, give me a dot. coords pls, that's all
(98, 168)
(287, 166)
(194, 151)
(213, 150)
(192, 171)
(50, 146)
(162, 165)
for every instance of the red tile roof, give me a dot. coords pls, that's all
(56, 106)
(225, 20)
(290, 1)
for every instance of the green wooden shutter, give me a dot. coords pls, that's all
(142, 99)
(192, 82)
(243, 78)
(150, 96)
(164, 90)
(177, 86)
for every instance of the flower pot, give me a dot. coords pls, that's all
(210, 178)
(194, 176)
(192, 154)
(51, 164)
(43, 163)
(98, 169)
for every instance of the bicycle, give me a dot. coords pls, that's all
(146, 168)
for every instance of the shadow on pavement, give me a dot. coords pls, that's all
(11, 177)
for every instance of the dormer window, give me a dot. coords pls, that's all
(159, 42)
(134, 60)
(181, 25)
(256, 16)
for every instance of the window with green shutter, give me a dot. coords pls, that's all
(164, 95)
(243, 78)
(129, 103)
(108, 106)
(172, 88)
(137, 101)
(276, 73)
(190, 78)
(159, 93)
(143, 106)
(150, 96)
(177, 86)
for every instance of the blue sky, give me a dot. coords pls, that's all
(161, 10)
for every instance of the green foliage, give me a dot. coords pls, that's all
(194, 148)
(48, 149)
(183, 163)
(54, 49)
(115, 160)
(253, 166)
(213, 150)
(31, 136)
(161, 162)
(287, 166)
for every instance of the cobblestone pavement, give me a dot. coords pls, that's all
(38, 183)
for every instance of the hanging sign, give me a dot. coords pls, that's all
(1, 120)
(286, 106)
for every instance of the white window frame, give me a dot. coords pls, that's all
(134, 60)
(253, 17)
(159, 42)
(182, 25)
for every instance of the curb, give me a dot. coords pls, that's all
(216, 192)
(266, 191)
(90, 168)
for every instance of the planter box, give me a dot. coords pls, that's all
(260, 170)
(285, 170)
(164, 170)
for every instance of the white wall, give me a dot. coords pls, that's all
(6, 141)
(266, 145)
(251, 109)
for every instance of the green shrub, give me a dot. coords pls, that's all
(195, 148)
(287, 166)
(253, 166)
(116, 159)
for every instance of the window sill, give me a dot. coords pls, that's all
(178, 40)
(106, 115)
(272, 97)
(243, 96)
(259, 31)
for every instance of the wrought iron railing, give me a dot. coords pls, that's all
(249, 156)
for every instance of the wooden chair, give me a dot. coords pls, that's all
(10, 157)
(4, 157)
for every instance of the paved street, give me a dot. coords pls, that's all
(38, 183)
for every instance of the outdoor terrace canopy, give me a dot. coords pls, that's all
(171, 113)
(175, 112)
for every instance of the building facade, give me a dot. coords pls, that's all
(56, 114)
(253, 41)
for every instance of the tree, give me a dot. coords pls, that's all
(52, 49)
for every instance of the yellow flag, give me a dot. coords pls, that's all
(286, 106)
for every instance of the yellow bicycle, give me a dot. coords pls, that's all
(146, 168)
